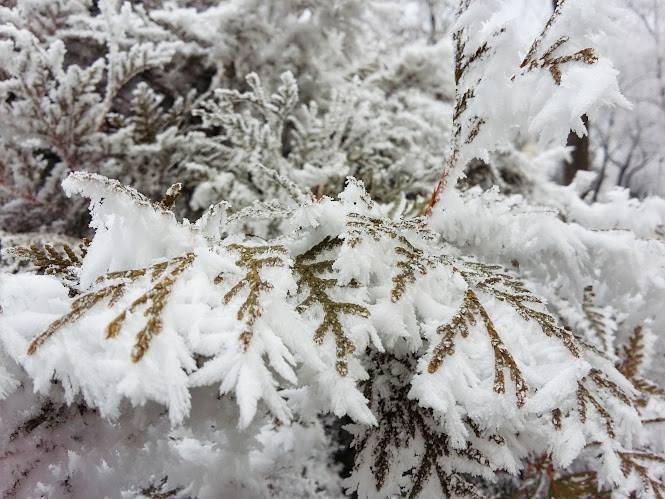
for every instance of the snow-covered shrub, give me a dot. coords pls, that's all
(449, 367)
(497, 346)
(361, 132)
(110, 87)
(56, 102)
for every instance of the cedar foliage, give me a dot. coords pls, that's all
(300, 295)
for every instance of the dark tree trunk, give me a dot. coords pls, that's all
(580, 158)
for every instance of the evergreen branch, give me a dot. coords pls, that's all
(493, 280)
(403, 422)
(308, 269)
(633, 354)
(64, 262)
(460, 324)
(547, 60)
(414, 261)
(252, 258)
(155, 298)
(597, 319)
(631, 358)
(79, 307)
(584, 397)
(630, 462)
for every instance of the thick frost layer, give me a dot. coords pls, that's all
(297, 326)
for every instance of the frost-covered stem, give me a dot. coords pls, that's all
(466, 126)
(443, 180)
(558, 4)
(450, 173)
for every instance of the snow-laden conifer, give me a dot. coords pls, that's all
(497, 345)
